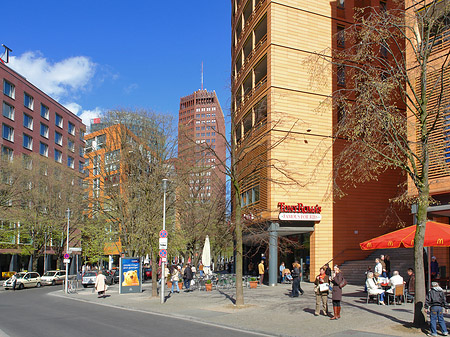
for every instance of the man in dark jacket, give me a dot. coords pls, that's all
(410, 285)
(187, 277)
(435, 303)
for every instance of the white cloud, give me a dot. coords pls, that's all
(87, 115)
(57, 79)
(130, 88)
(73, 107)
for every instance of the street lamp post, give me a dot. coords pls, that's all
(164, 181)
(67, 251)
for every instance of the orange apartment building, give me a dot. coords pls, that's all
(272, 101)
(104, 171)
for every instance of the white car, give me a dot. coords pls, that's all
(89, 278)
(53, 277)
(24, 280)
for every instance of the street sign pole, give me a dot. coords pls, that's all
(66, 286)
(163, 265)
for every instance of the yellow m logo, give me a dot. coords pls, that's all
(440, 241)
(390, 244)
(369, 245)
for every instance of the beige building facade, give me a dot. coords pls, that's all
(276, 101)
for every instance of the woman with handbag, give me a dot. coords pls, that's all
(321, 289)
(338, 282)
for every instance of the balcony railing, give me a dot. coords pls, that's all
(258, 47)
(248, 24)
(261, 85)
(441, 42)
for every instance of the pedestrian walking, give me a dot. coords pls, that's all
(435, 304)
(14, 281)
(187, 277)
(338, 282)
(100, 284)
(175, 278)
(296, 273)
(321, 290)
(261, 272)
(282, 267)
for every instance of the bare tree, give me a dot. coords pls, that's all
(247, 159)
(135, 160)
(391, 104)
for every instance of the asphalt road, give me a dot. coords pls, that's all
(35, 313)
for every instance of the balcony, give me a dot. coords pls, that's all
(254, 54)
(250, 18)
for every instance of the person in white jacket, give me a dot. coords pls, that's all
(100, 284)
(378, 267)
(373, 289)
(396, 279)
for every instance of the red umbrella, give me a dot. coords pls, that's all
(436, 235)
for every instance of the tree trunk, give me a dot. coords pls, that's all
(420, 317)
(155, 274)
(238, 262)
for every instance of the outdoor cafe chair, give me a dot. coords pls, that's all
(398, 294)
(373, 296)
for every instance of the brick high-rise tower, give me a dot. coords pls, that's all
(202, 139)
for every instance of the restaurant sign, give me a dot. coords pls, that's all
(299, 212)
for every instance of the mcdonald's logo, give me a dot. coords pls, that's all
(369, 245)
(390, 244)
(412, 242)
(440, 241)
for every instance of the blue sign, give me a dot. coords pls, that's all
(307, 260)
(130, 275)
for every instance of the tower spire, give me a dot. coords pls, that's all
(202, 75)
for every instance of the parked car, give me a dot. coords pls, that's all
(89, 278)
(24, 280)
(116, 275)
(53, 277)
(147, 273)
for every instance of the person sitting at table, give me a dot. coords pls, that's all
(395, 280)
(373, 288)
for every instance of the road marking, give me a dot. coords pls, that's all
(180, 317)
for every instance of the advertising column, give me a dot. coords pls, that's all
(130, 280)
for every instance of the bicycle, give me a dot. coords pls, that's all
(71, 289)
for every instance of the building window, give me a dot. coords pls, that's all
(58, 138)
(8, 111)
(7, 153)
(81, 151)
(341, 3)
(341, 36)
(383, 6)
(44, 112)
(28, 101)
(71, 145)
(82, 135)
(9, 89)
(44, 130)
(58, 156)
(384, 51)
(341, 75)
(27, 142)
(80, 166)
(72, 129)
(43, 149)
(58, 120)
(27, 121)
(8, 133)
(27, 163)
(70, 162)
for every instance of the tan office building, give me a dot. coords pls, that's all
(273, 101)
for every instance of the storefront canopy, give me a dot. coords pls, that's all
(436, 235)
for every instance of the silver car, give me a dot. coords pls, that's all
(89, 278)
(53, 277)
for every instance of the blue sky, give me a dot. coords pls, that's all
(97, 55)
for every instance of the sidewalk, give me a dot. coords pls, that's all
(269, 310)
